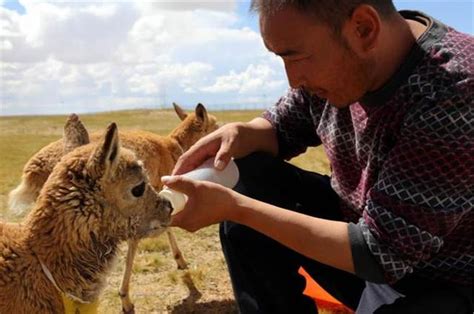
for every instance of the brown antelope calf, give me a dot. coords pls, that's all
(56, 260)
(158, 153)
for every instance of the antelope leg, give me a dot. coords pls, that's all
(177, 255)
(127, 305)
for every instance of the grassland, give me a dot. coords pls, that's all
(157, 286)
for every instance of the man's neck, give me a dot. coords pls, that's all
(399, 38)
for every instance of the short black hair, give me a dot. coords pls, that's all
(331, 12)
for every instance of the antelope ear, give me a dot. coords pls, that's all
(179, 111)
(105, 157)
(74, 134)
(201, 113)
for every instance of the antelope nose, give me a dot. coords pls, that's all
(166, 207)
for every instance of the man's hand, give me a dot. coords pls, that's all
(208, 203)
(232, 140)
(222, 143)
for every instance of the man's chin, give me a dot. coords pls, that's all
(334, 100)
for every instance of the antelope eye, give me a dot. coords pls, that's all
(138, 190)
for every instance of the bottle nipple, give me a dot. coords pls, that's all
(228, 177)
(177, 199)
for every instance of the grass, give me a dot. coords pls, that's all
(157, 286)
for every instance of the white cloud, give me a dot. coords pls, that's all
(254, 79)
(150, 80)
(188, 5)
(89, 56)
(5, 45)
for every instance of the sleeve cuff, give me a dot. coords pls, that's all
(365, 264)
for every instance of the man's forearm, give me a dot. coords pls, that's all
(259, 135)
(323, 240)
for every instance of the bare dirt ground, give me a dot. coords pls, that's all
(159, 287)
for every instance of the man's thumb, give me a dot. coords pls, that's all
(178, 183)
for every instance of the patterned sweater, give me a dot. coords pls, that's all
(402, 157)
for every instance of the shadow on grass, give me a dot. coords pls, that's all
(191, 305)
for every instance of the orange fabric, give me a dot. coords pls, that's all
(322, 298)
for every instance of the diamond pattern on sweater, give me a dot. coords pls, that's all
(404, 167)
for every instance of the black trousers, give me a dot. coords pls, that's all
(264, 273)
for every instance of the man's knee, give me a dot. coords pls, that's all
(255, 163)
(267, 179)
(243, 242)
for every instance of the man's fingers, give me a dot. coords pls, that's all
(184, 164)
(222, 157)
(189, 161)
(195, 156)
(179, 183)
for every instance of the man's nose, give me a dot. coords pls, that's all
(295, 76)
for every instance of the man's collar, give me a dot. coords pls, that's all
(434, 33)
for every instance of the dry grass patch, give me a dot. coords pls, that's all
(157, 286)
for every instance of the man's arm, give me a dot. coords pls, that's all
(323, 240)
(208, 203)
(295, 118)
(259, 135)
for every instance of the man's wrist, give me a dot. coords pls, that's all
(241, 209)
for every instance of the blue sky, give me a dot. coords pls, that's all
(456, 13)
(86, 56)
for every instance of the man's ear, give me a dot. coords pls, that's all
(363, 28)
(74, 134)
(201, 113)
(104, 159)
(180, 112)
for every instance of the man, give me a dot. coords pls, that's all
(390, 97)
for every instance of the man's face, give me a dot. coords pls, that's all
(314, 58)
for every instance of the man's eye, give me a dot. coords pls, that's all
(139, 190)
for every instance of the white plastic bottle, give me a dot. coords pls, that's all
(227, 177)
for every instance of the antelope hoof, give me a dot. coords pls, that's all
(131, 310)
(127, 305)
(180, 262)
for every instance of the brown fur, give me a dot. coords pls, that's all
(84, 210)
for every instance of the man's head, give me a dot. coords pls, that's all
(329, 47)
(332, 13)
